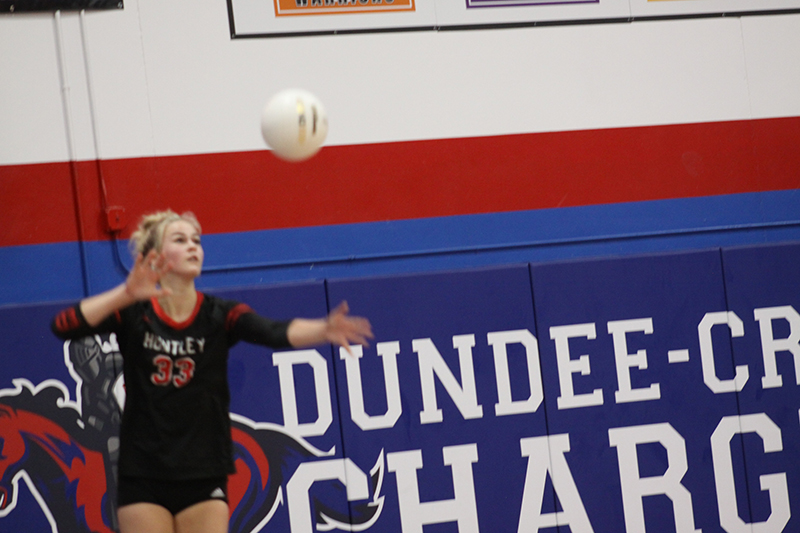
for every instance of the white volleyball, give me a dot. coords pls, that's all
(294, 124)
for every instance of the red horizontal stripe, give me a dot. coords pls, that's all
(36, 204)
(245, 191)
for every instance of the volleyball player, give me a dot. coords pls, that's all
(175, 437)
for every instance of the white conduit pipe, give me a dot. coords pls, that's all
(67, 106)
(89, 86)
(114, 234)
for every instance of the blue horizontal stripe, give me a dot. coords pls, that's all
(52, 272)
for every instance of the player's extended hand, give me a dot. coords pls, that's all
(142, 282)
(344, 330)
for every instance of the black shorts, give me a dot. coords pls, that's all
(175, 496)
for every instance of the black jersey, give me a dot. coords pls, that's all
(176, 423)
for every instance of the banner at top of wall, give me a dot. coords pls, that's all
(14, 6)
(275, 18)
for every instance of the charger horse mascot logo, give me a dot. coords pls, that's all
(66, 453)
(42, 444)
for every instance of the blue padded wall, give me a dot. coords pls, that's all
(653, 393)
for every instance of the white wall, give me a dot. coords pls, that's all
(167, 79)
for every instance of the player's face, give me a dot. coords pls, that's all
(181, 247)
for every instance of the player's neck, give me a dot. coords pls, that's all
(179, 304)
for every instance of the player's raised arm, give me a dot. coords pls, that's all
(141, 284)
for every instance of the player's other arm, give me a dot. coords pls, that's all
(337, 328)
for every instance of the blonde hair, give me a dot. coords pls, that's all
(150, 233)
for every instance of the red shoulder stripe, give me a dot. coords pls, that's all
(235, 313)
(67, 320)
